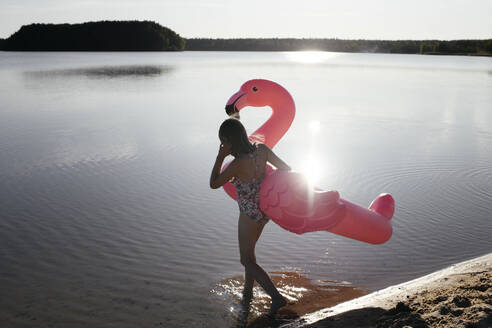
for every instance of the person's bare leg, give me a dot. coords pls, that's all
(249, 282)
(248, 278)
(247, 234)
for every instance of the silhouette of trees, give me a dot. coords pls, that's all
(458, 47)
(150, 36)
(488, 46)
(95, 36)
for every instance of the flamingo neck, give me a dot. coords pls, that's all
(283, 112)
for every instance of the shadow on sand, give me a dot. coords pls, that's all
(370, 317)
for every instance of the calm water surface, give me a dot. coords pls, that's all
(106, 214)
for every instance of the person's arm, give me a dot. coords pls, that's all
(275, 160)
(218, 179)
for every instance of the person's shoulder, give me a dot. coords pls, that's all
(235, 162)
(263, 150)
(262, 147)
(238, 163)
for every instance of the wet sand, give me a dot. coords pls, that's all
(302, 294)
(458, 296)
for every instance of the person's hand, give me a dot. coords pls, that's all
(224, 150)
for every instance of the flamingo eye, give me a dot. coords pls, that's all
(255, 89)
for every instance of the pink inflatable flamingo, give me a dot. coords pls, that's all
(286, 197)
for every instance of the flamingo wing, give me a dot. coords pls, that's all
(288, 199)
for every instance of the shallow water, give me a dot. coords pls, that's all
(107, 218)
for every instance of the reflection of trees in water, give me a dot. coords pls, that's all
(104, 72)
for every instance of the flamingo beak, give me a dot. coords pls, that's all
(231, 107)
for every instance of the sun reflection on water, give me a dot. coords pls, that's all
(310, 57)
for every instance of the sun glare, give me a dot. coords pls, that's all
(311, 166)
(311, 169)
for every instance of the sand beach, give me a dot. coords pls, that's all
(457, 296)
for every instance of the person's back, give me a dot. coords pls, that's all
(250, 174)
(252, 165)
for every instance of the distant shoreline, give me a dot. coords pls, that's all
(458, 54)
(94, 36)
(150, 36)
(422, 47)
(361, 52)
(357, 52)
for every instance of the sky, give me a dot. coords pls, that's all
(344, 19)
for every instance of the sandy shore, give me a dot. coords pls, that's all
(458, 296)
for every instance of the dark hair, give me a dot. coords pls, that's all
(233, 130)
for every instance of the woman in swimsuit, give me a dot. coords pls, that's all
(247, 171)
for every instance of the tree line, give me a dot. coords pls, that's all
(458, 47)
(150, 36)
(94, 36)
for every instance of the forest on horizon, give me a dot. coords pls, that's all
(151, 36)
(454, 47)
(94, 36)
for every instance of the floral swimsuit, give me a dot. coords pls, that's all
(248, 194)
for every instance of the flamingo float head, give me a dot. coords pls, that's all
(256, 93)
(262, 93)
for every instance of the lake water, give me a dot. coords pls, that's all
(107, 218)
